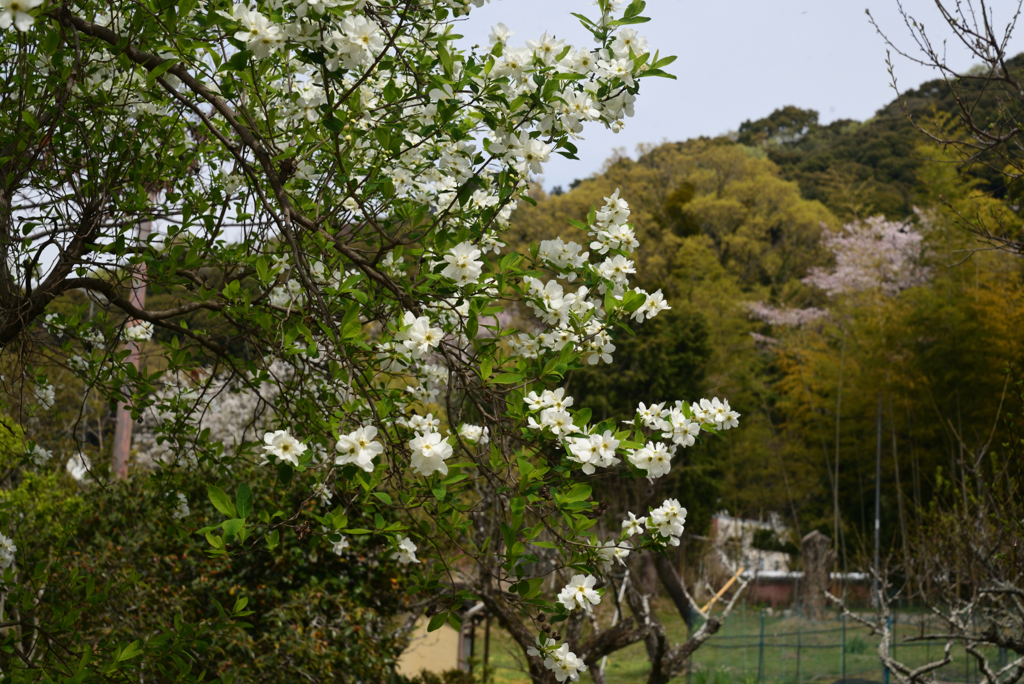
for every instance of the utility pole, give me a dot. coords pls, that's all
(123, 427)
(878, 503)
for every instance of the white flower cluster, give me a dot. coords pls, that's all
(359, 447)
(667, 521)
(406, 551)
(139, 332)
(44, 395)
(613, 551)
(181, 509)
(283, 447)
(593, 451)
(429, 452)
(578, 318)
(474, 433)
(7, 551)
(418, 336)
(52, 323)
(580, 593)
(716, 413)
(560, 660)
(338, 547)
(464, 264)
(78, 466)
(39, 456)
(288, 296)
(553, 414)
(679, 426)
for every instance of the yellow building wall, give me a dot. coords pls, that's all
(433, 651)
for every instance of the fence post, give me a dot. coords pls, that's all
(842, 647)
(885, 668)
(689, 664)
(760, 652)
(799, 640)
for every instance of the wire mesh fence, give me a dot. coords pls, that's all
(759, 647)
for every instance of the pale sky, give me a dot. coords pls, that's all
(739, 60)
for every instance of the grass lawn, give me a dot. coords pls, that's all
(794, 651)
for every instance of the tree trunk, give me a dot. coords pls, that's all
(122, 445)
(818, 557)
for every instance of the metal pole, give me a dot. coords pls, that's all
(760, 652)
(875, 598)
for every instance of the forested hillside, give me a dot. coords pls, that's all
(819, 277)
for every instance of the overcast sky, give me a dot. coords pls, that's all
(739, 60)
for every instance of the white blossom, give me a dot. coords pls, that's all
(464, 265)
(7, 551)
(45, 395)
(78, 466)
(668, 520)
(339, 546)
(39, 456)
(181, 509)
(406, 551)
(283, 447)
(474, 433)
(654, 458)
(418, 336)
(429, 451)
(17, 12)
(359, 447)
(633, 525)
(139, 332)
(580, 593)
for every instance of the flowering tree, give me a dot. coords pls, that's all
(873, 256)
(328, 182)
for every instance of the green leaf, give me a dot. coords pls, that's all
(507, 378)
(582, 417)
(635, 8)
(437, 621)
(578, 492)
(633, 301)
(508, 535)
(159, 70)
(220, 501)
(243, 500)
(631, 20)
(30, 119)
(350, 325)
(333, 124)
(238, 62)
(383, 497)
(657, 72)
(233, 527)
(131, 650)
(284, 473)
